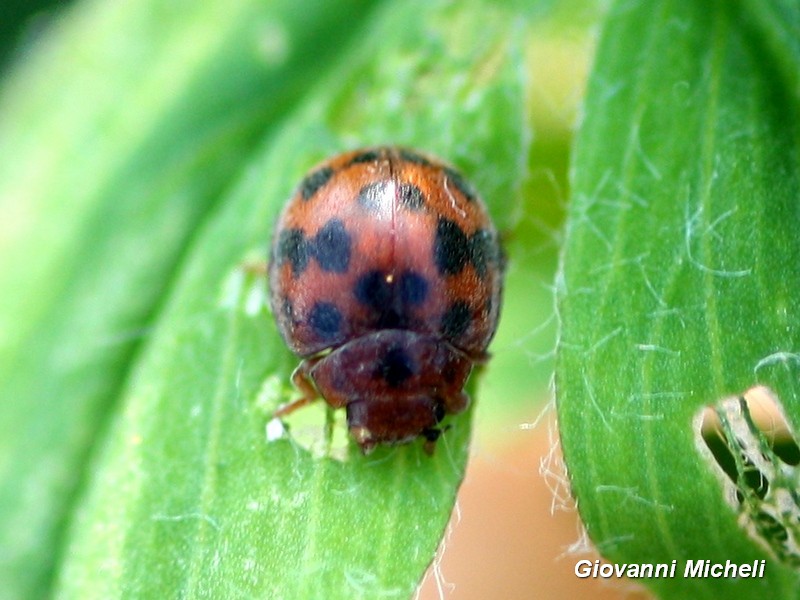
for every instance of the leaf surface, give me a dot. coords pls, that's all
(680, 283)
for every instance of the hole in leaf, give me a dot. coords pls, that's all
(750, 443)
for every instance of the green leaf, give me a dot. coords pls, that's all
(776, 26)
(117, 135)
(680, 284)
(188, 497)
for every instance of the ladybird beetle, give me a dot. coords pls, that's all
(385, 277)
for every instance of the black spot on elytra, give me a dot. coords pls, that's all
(413, 157)
(293, 248)
(390, 301)
(367, 156)
(461, 184)
(373, 290)
(311, 184)
(412, 287)
(450, 247)
(332, 246)
(481, 251)
(396, 367)
(411, 196)
(456, 319)
(370, 197)
(325, 319)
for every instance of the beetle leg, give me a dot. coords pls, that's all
(431, 436)
(480, 359)
(456, 403)
(303, 382)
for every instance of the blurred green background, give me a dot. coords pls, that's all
(21, 23)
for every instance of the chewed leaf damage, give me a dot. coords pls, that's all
(749, 443)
